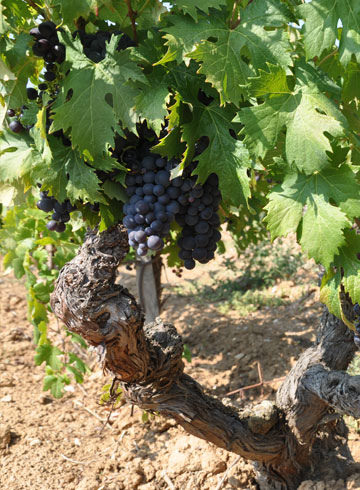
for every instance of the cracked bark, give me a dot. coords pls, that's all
(302, 435)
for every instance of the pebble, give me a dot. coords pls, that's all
(5, 436)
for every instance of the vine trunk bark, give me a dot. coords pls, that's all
(300, 436)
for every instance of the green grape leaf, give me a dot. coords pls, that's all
(190, 7)
(151, 102)
(69, 177)
(101, 96)
(321, 27)
(50, 355)
(17, 156)
(225, 156)
(304, 201)
(171, 145)
(222, 60)
(55, 384)
(351, 82)
(71, 10)
(306, 113)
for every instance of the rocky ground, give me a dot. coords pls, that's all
(68, 444)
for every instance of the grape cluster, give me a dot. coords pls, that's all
(61, 214)
(357, 325)
(47, 45)
(199, 220)
(153, 203)
(95, 44)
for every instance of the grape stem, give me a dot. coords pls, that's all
(132, 17)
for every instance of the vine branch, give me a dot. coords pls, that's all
(132, 17)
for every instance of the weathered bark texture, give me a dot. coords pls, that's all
(288, 441)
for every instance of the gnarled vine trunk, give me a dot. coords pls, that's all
(301, 436)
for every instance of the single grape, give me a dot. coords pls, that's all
(130, 180)
(140, 236)
(173, 192)
(142, 207)
(191, 220)
(156, 226)
(149, 177)
(65, 217)
(158, 190)
(199, 253)
(177, 182)
(193, 211)
(139, 219)
(206, 214)
(189, 264)
(207, 199)
(149, 218)
(129, 222)
(61, 227)
(201, 240)
(42, 86)
(202, 227)
(52, 225)
(49, 76)
(164, 199)
(186, 186)
(185, 254)
(148, 189)
(162, 216)
(11, 113)
(45, 204)
(163, 177)
(139, 191)
(16, 126)
(56, 216)
(154, 242)
(160, 162)
(173, 207)
(139, 179)
(150, 199)
(148, 162)
(32, 94)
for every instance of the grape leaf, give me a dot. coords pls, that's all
(101, 96)
(304, 201)
(222, 60)
(351, 82)
(151, 102)
(71, 10)
(321, 27)
(17, 156)
(191, 8)
(49, 354)
(225, 156)
(306, 112)
(70, 177)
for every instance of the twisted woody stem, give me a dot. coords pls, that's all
(147, 360)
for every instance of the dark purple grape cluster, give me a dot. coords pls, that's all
(153, 203)
(95, 44)
(199, 220)
(357, 325)
(61, 211)
(47, 46)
